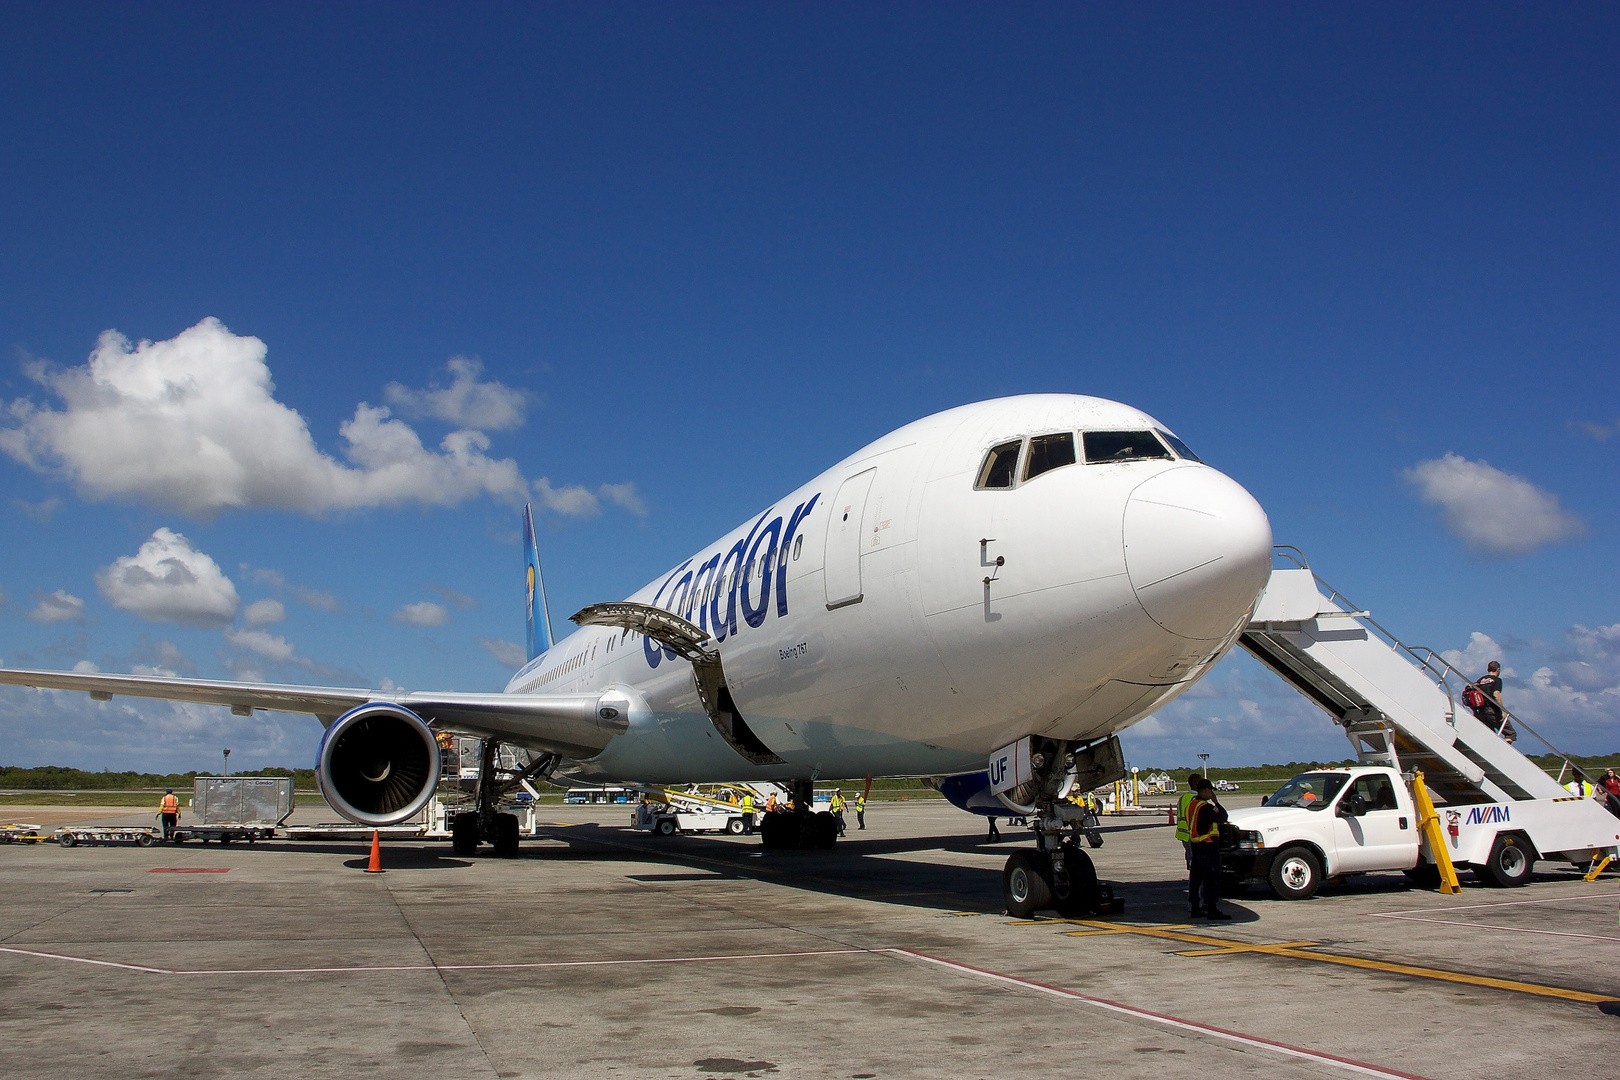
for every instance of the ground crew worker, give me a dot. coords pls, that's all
(1183, 823)
(836, 804)
(860, 812)
(1204, 873)
(169, 809)
(994, 836)
(770, 803)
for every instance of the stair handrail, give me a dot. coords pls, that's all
(1425, 658)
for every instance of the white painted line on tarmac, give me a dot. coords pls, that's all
(1332, 1060)
(1496, 926)
(1448, 908)
(360, 969)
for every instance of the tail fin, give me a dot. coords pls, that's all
(539, 616)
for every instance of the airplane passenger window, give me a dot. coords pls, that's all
(1000, 466)
(1047, 452)
(1182, 450)
(1104, 446)
(798, 546)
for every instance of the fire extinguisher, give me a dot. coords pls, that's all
(1453, 819)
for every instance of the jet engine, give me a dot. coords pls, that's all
(378, 764)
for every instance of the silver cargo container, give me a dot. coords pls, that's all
(242, 800)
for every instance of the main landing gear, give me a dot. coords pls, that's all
(799, 828)
(487, 823)
(1058, 875)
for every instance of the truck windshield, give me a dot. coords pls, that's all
(1312, 790)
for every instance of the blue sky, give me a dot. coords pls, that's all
(672, 260)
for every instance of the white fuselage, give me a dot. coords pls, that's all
(859, 633)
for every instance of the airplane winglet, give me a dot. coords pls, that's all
(539, 617)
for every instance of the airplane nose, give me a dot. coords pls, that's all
(1197, 549)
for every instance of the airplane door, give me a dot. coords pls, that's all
(841, 570)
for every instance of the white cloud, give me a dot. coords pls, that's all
(1600, 432)
(85, 667)
(55, 607)
(192, 422)
(626, 496)
(578, 501)
(572, 501)
(505, 652)
(1492, 512)
(1482, 649)
(422, 613)
(455, 597)
(168, 580)
(315, 598)
(466, 402)
(272, 647)
(40, 512)
(53, 727)
(263, 612)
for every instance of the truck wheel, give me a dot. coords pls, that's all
(67, 839)
(1510, 864)
(666, 827)
(735, 826)
(143, 840)
(1025, 884)
(1295, 875)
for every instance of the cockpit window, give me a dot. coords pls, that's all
(1048, 452)
(1104, 446)
(1182, 450)
(1000, 466)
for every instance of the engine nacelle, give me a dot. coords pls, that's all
(378, 764)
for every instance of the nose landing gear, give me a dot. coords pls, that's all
(1057, 875)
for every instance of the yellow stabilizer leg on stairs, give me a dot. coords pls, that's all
(1429, 825)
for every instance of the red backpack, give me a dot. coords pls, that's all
(1473, 697)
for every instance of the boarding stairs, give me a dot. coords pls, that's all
(1398, 704)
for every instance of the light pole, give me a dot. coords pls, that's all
(227, 761)
(1201, 757)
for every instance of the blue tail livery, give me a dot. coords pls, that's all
(539, 617)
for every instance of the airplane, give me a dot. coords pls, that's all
(989, 594)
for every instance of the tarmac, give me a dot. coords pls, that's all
(605, 952)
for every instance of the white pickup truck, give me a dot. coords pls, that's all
(1329, 823)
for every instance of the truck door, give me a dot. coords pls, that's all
(1383, 837)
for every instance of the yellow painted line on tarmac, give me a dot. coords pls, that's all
(1233, 950)
(1304, 950)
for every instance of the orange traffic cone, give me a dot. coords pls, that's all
(375, 867)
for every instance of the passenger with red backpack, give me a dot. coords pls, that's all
(1484, 700)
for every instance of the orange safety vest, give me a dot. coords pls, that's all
(1193, 810)
(171, 805)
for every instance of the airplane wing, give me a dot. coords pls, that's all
(574, 725)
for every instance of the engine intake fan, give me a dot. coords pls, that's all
(378, 764)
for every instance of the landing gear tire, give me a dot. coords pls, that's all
(1510, 865)
(464, 833)
(506, 836)
(666, 827)
(1026, 884)
(823, 832)
(1078, 895)
(1295, 875)
(735, 826)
